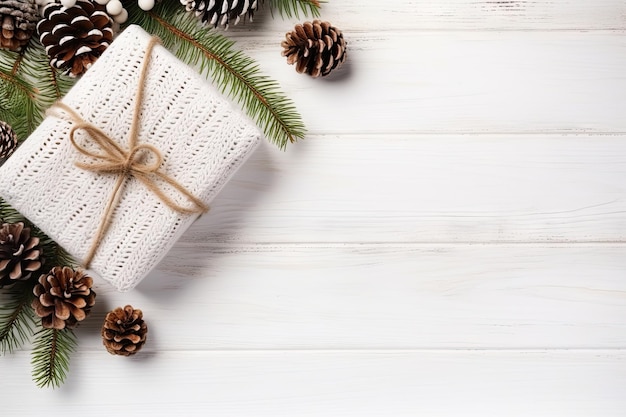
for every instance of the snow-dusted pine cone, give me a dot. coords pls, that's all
(221, 12)
(76, 36)
(19, 20)
(20, 253)
(63, 298)
(315, 47)
(8, 140)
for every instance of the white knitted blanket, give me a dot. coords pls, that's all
(202, 137)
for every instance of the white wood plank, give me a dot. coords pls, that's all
(461, 82)
(205, 297)
(386, 383)
(362, 15)
(426, 188)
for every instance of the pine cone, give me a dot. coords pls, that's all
(315, 47)
(20, 253)
(75, 37)
(8, 140)
(221, 12)
(19, 20)
(63, 297)
(124, 331)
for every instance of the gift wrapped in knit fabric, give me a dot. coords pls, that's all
(202, 139)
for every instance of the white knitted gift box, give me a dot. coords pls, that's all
(202, 137)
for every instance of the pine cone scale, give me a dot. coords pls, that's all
(16, 272)
(61, 310)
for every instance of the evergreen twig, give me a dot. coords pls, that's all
(231, 71)
(17, 319)
(19, 98)
(293, 8)
(28, 86)
(51, 356)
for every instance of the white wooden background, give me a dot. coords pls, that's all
(449, 240)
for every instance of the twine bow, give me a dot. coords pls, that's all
(113, 159)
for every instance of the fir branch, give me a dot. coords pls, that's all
(293, 8)
(51, 356)
(231, 71)
(28, 86)
(19, 97)
(17, 318)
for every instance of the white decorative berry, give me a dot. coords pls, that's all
(121, 18)
(146, 4)
(102, 2)
(114, 7)
(68, 3)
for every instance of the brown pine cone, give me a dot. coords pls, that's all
(8, 140)
(75, 37)
(124, 331)
(315, 47)
(63, 298)
(20, 253)
(19, 20)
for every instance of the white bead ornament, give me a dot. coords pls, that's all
(102, 2)
(121, 18)
(146, 4)
(114, 7)
(68, 3)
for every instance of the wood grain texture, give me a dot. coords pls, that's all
(205, 297)
(426, 188)
(456, 15)
(478, 14)
(462, 82)
(297, 383)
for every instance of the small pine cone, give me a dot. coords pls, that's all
(63, 297)
(19, 20)
(20, 253)
(221, 12)
(315, 47)
(124, 331)
(8, 140)
(75, 37)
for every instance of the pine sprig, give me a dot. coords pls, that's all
(17, 319)
(50, 84)
(28, 86)
(17, 95)
(51, 356)
(293, 8)
(234, 73)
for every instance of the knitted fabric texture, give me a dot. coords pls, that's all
(203, 138)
